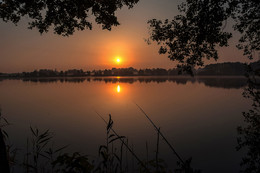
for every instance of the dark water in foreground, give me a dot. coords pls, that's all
(199, 116)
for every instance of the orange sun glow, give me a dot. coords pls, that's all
(118, 60)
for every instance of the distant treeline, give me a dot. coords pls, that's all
(216, 82)
(220, 69)
(226, 69)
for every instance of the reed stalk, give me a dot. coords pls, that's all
(128, 148)
(158, 130)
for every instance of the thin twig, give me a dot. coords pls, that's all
(157, 129)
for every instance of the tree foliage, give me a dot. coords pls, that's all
(198, 31)
(247, 17)
(63, 15)
(249, 134)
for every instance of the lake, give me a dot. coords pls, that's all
(199, 116)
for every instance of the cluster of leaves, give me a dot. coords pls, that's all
(247, 16)
(249, 136)
(63, 15)
(195, 35)
(186, 167)
(42, 157)
(73, 164)
(40, 153)
(155, 165)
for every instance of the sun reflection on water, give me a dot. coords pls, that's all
(118, 89)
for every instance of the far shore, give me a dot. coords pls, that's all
(151, 76)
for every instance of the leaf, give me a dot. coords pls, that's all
(110, 136)
(100, 148)
(32, 131)
(109, 124)
(62, 148)
(45, 140)
(44, 156)
(119, 137)
(5, 134)
(5, 120)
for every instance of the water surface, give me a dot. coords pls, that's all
(199, 116)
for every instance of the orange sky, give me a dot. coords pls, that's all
(25, 50)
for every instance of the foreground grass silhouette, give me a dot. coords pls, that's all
(41, 156)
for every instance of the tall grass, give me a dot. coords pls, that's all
(113, 156)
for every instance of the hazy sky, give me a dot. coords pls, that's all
(22, 49)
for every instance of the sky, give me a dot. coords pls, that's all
(22, 49)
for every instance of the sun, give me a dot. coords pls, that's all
(118, 60)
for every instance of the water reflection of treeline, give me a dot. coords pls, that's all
(219, 82)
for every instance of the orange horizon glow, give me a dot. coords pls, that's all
(118, 53)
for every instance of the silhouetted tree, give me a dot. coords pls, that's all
(249, 134)
(63, 15)
(195, 34)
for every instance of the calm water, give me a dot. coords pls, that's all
(198, 116)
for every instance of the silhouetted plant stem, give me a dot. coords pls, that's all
(107, 149)
(4, 165)
(126, 155)
(121, 157)
(146, 146)
(129, 149)
(157, 129)
(27, 156)
(133, 164)
(157, 150)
